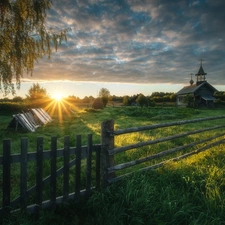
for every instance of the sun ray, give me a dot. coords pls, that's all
(60, 107)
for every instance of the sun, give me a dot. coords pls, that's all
(58, 96)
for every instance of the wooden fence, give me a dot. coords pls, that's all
(71, 159)
(65, 184)
(110, 151)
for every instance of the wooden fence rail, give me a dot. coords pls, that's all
(71, 163)
(109, 150)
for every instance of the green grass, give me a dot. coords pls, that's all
(191, 191)
(188, 192)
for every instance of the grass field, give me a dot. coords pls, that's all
(191, 191)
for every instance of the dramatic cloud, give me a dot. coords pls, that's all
(137, 41)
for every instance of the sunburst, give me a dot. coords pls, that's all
(60, 107)
(58, 96)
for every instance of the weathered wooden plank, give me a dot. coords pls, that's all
(66, 168)
(15, 158)
(46, 114)
(23, 173)
(145, 143)
(39, 173)
(107, 141)
(98, 168)
(59, 172)
(41, 119)
(24, 122)
(46, 204)
(46, 180)
(78, 168)
(204, 148)
(88, 167)
(155, 166)
(6, 176)
(53, 172)
(159, 155)
(155, 126)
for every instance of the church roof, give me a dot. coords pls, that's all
(192, 88)
(188, 89)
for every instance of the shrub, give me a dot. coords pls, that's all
(12, 107)
(98, 104)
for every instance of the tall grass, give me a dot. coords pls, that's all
(187, 192)
(191, 191)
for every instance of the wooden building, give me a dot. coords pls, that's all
(197, 95)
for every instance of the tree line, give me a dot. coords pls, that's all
(38, 96)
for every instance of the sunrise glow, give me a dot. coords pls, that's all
(59, 107)
(58, 96)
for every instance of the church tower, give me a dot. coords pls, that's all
(200, 75)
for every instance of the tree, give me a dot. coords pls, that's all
(104, 94)
(23, 39)
(36, 92)
(17, 99)
(126, 100)
(86, 99)
(142, 100)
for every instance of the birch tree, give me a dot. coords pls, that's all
(24, 39)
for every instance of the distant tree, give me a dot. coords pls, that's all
(91, 98)
(151, 102)
(142, 100)
(6, 99)
(126, 100)
(17, 99)
(104, 94)
(98, 104)
(163, 97)
(115, 98)
(24, 39)
(73, 99)
(172, 97)
(37, 92)
(220, 95)
(86, 99)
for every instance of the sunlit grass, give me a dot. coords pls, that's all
(190, 191)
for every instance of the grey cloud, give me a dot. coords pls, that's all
(137, 41)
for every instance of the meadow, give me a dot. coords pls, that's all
(191, 191)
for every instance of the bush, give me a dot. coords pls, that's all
(98, 104)
(12, 107)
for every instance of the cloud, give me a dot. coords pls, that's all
(136, 41)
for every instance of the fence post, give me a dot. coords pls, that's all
(53, 171)
(78, 168)
(23, 173)
(39, 173)
(6, 176)
(66, 155)
(88, 168)
(107, 141)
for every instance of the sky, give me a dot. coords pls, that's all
(132, 46)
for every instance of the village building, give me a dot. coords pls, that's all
(197, 95)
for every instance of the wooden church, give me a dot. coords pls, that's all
(197, 95)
